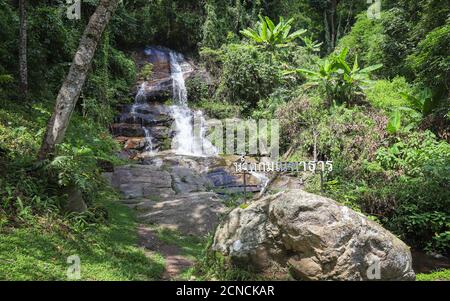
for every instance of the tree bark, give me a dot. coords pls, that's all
(331, 25)
(23, 65)
(71, 88)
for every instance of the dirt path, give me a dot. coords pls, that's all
(175, 261)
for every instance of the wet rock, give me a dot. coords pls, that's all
(220, 177)
(128, 130)
(135, 143)
(159, 87)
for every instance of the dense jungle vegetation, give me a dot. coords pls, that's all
(370, 94)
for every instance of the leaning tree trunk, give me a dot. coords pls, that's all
(71, 88)
(23, 65)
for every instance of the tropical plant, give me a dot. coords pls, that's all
(420, 105)
(271, 35)
(395, 122)
(423, 102)
(311, 45)
(341, 82)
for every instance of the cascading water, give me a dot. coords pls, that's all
(139, 103)
(190, 126)
(148, 141)
(179, 86)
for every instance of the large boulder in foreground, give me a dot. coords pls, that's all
(314, 238)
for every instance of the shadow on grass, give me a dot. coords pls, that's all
(108, 252)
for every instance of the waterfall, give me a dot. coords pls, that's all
(148, 141)
(190, 126)
(179, 87)
(139, 103)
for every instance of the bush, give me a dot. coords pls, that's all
(198, 89)
(421, 188)
(386, 94)
(28, 191)
(405, 185)
(218, 109)
(364, 40)
(431, 62)
(249, 74)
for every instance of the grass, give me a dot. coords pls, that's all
(191, 246)
(441, 275)
(108, 252)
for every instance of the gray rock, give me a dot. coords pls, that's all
(186, 180)
(314, 237)
(137, 181)
(191, 214)
(75, 201)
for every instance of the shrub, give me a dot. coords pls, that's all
(364, 40)
(387, 94)
(405, 185)
(341, 81)
(218, 109)
(431, 62)
(248, 75)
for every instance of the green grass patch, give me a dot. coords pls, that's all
(441, 275)
(191, 246)
(107, 251)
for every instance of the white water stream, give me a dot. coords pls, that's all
(189, 126)
(139, 103)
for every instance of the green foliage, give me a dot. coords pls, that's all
(401, 181)
(213, 265)
(29, 191)
(270, 35)
(248, 75)
(405, 185)
(342, 83)
(364, 40)
(212, 60)
(266, 108)
(198, 89)
(112, 75)
(225, 18)
(174, 23)
(5, 78)
(423, 102)
(146, 71)
(387, 94)
(219, 109)
(395, 122)
(440, 275)
(431, 62)
(310, 45)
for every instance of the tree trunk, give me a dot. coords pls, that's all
(23, 66)
(71, 88)
(331, 25)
